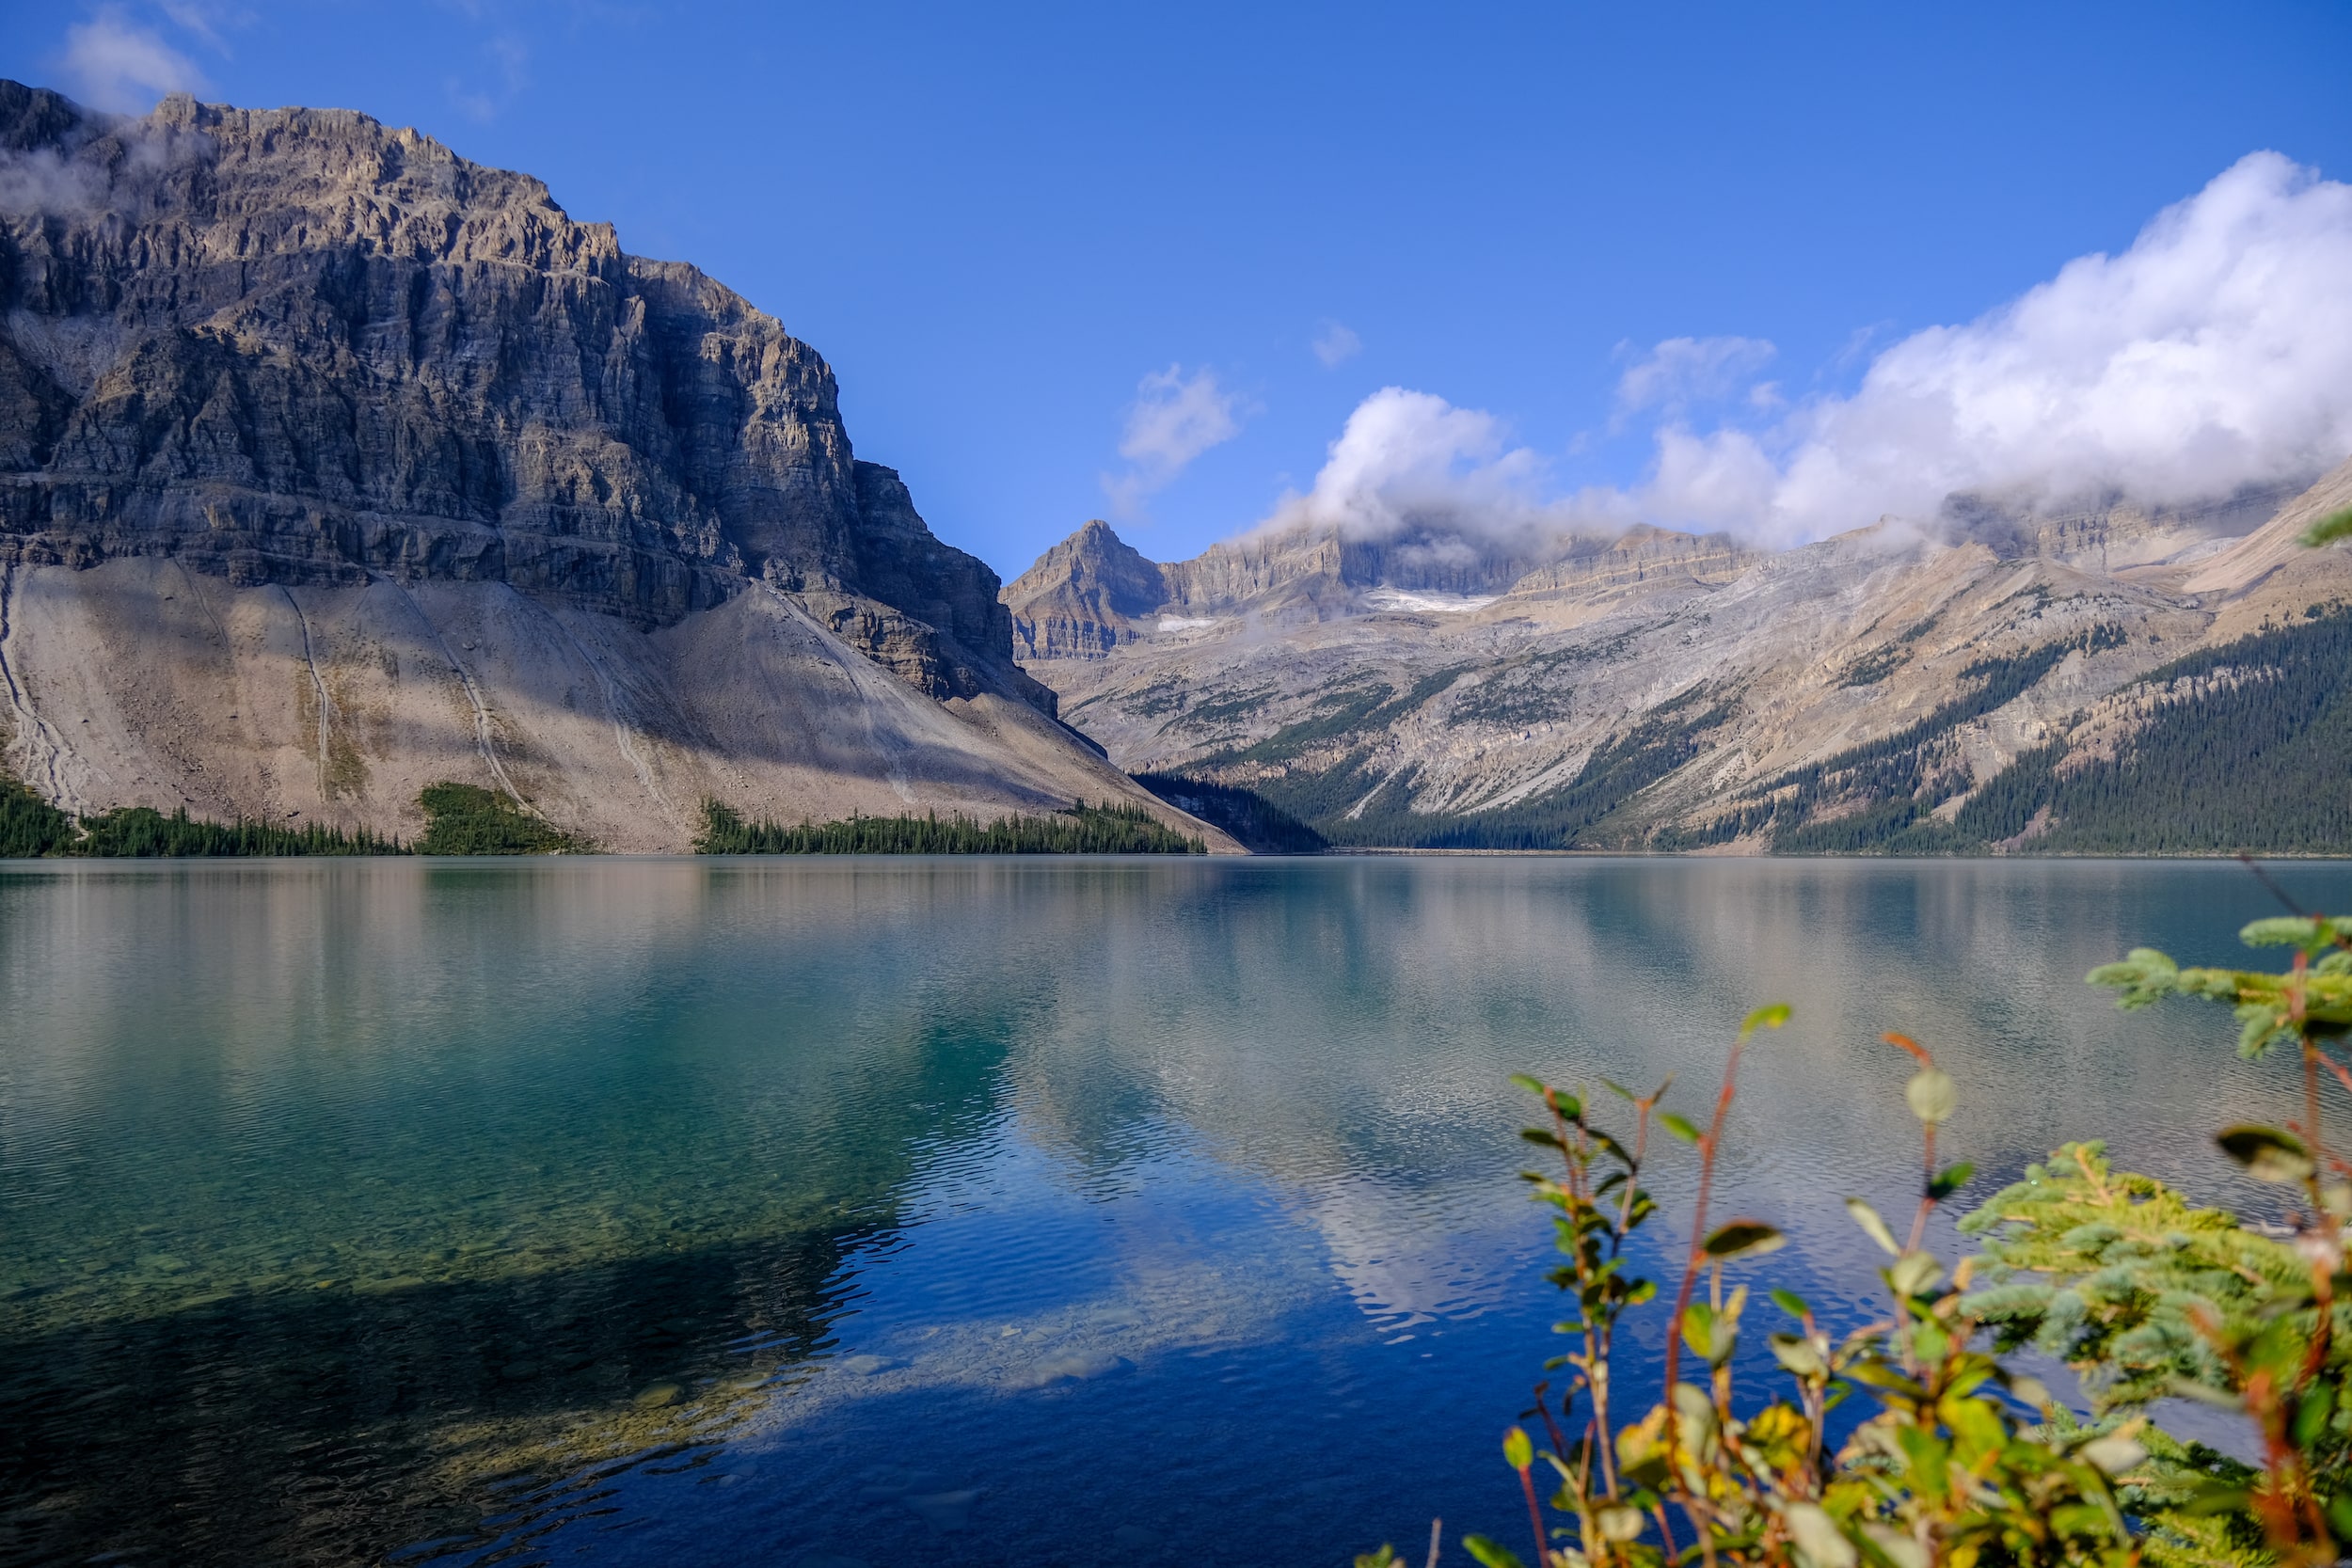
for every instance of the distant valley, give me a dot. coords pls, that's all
(2102, 679)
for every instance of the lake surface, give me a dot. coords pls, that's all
(1036, 1211)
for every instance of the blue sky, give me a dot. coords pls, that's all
(1022, 235)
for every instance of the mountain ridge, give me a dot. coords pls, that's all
(332, 463)
(1657, 690)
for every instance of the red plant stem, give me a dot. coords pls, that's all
(1927, 1195)
(2297, 1004)
(1535, 1516)
(1596, 1345)
(2342, 1077)
(1707, 1146)
(1559, 1439)
(1633, 1177)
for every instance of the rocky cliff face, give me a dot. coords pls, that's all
(297, 346)
(299, 351)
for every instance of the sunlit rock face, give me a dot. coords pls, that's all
(1662, 689)
(325, 373)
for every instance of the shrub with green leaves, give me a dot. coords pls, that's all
(1962, 1458)
(468, 819)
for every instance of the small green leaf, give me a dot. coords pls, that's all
(1534, 1087)
(1915, 1272)
(2267, 1153)
(1494, 1554)
(1818, 1537)
(1385, 1557)
(2114, 1454)
(1698, 1330)
(1872, 1226)
(1951, 1181)
(1770, 1015)
(1743, 1238)
(1792, 1303)
(1619, 1524)
(1931, 1094)
(1798, 1353)
(1679, 1126)
(1518, 1452)
(2310, 1417)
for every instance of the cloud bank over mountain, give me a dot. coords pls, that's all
(2216, 353)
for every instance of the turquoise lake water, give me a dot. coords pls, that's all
(1040, 1211)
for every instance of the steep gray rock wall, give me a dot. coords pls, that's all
(297, 346)
(333, 465)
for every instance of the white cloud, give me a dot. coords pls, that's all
(1336, 343)
(2215, 353)
(206, 19)
(1174, 418)
(111, 63)
(1683, 371)
(1409, 459)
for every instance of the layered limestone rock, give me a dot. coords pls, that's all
(313, 372)
(1084, 597)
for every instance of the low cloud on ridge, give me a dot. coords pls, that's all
(2214, 354)
(1408, 459)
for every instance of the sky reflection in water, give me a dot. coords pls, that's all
(978, 1210)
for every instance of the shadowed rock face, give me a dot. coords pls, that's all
(333, 465)
(298, 347)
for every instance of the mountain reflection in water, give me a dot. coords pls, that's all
(1044, 1210)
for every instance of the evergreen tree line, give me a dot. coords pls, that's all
(2256, 762)
(2261, 762)
(31, 827)
(1082, 830)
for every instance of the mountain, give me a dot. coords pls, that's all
(333, 465)
(2103, 677)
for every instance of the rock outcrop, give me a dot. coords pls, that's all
(1084, 597)
(295, 365)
